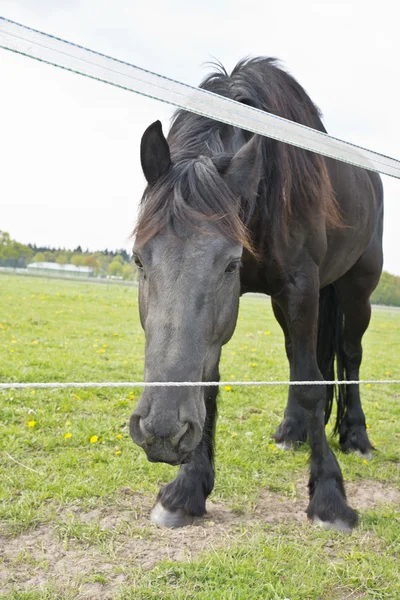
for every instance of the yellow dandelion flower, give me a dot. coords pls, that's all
(233, 434)
(368, 385)
(365, 461)
(13, 341)
(102, 351)
(94, 439)
(104, 345)
(94, 345)
(267, 333)
(119, 436)
(33, 392)
(31, 423)
(35, 342)
(228, 388)
(387, 373)
(233, 353)
(376, 403)
(75, 396)
(272, 447)
(253, 364)
(367, 426)
(118, 452)
(67, 423)
(67, 436)
(12, 351)
(125, 362)
(115, 333)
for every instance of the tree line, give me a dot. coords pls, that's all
(104, 262)
(117, 264)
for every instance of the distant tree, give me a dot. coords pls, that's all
(118, 258)
(388, 290)
(115, 269)
(62, 259)
(127, 272)
(124, 255)
(39, 257)
(4, 238)
(91, 261)
(77, 259)
(24, 254)
(12, 253)
(49, 256)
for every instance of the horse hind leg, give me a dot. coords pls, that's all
(354, 290)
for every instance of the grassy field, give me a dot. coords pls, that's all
(75, 491)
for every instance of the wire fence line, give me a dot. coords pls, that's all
(66, 55)
(153, 384)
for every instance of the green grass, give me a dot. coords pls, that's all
(71, 331)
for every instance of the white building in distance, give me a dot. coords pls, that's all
(50, 268)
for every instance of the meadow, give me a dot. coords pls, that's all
(75, 492)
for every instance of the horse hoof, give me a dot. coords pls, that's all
(355, 439)
(338, 524)
(328, 507)
(364, 455)
(290, 433)
(171, 519)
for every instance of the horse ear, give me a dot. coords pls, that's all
(154, 153)
(244, 170)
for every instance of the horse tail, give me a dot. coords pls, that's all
(330, 350)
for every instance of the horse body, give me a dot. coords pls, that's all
(227, 212)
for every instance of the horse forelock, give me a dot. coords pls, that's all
(191, 195)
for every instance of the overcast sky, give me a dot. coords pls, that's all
(69, 146)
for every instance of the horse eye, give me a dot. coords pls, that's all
(231, 268)
(137, 262)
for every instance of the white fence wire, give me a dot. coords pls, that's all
(66, 55)
(133, 384)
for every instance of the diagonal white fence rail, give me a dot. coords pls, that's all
(66, 55)
(89, 63)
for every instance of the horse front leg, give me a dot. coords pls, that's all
(299, 303)
(293, 429)
(185, 497)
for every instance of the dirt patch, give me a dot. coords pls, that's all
(96, 552)
(367, 495)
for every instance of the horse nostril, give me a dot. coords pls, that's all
(138, 431)
(178, 436)
(143, 428)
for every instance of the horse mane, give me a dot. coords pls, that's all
(294, 186)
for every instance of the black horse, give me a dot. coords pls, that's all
(227, 212)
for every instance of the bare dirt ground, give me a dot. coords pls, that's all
(126, 539)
